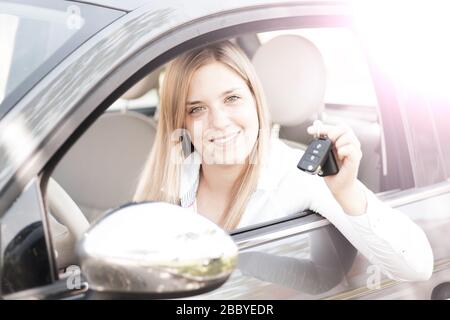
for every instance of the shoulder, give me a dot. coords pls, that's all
(288, 189)
(284, 152)
(281, 165)
(284, 158)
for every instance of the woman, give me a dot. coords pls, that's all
(236, 174)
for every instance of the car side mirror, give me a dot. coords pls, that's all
(155, 250)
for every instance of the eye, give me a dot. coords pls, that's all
(196, 109)
(232, 98)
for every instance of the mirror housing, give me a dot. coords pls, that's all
(155, 250)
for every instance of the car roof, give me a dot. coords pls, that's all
(128, 5)
(131, 5)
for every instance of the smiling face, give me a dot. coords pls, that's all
(221, 115)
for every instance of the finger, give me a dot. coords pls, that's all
(347, 138)
(332, 132)
(349, 152)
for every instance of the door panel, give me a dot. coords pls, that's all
(303, 266)
(322, 264)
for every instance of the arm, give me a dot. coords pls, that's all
(387, 237)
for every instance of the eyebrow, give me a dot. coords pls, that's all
(189, 103)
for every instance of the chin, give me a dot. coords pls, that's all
(222, 158)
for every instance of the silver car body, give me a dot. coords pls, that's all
(149, 33)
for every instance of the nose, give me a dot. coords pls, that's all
(218, 118)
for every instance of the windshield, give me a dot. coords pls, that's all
(35, 36)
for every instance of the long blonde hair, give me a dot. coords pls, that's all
(160, 179)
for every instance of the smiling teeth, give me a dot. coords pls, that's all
(226, 139)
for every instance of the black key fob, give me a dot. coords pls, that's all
(319, 158)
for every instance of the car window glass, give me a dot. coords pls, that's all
(426, 118)
(51, 31)
(441, 112)
(57, 27)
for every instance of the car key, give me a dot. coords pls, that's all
(319, 158)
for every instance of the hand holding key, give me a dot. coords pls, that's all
(319, 158)
(347, 149)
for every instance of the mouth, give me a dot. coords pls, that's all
(225, 138)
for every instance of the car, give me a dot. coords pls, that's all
(78, 114)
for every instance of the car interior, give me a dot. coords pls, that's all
(102, 168)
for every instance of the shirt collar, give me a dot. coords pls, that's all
(189, 178)
(271, 172)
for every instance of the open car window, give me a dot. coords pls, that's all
(112, 152)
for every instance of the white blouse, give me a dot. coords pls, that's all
(386, 237)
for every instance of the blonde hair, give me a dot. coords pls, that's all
(160, 179)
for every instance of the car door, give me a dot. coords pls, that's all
(307, 258)
(323, 264)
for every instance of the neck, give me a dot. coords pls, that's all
(221, 178)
